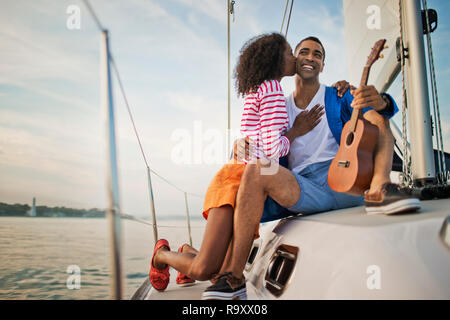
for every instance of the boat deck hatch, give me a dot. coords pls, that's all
(280, 269)
(251, 257)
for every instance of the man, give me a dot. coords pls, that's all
(314, 140)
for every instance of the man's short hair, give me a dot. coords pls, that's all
(315, 39)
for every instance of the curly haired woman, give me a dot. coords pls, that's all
(263, 62)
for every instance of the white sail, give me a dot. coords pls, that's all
(367, 21)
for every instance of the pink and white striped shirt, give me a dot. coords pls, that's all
(265, 120)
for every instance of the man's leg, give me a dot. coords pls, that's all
(384, 150)
(384, 197)
(282, 187)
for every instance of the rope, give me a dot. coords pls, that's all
(406, 164)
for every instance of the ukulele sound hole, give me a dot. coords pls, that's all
(350, 138)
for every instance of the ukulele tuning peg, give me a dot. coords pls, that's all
(385, 47)
(381, 56)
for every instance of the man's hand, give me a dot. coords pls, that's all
(342, 86)
(367, 96)
(307, 120)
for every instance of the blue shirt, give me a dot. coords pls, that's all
(338, 111)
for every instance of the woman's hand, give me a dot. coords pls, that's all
(342, 86)
(243, 148)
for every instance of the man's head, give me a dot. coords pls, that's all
(310, 55)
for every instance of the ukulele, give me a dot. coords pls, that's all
(351, 170)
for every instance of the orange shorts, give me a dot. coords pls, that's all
(223, 189)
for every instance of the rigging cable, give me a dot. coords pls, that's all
(289, 19)
(122, 89)
(437, 116)
(284, 17)
(116, 71)
(94, 16)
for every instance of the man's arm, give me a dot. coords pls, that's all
(367, 98)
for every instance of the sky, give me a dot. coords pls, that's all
(172, 57)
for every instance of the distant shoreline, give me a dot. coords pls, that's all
(24, 210)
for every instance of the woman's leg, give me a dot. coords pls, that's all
(226, 262)
(209, 260)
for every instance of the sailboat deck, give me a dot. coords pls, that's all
(351, 217)
(357, 216)
(173, 291)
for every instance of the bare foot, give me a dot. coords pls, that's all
(188, 248)
(376, 185)
(157, 258)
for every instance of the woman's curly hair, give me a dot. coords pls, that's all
(262, 58)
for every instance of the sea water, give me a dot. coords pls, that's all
(68, 258)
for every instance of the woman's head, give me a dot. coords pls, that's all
(265, 57)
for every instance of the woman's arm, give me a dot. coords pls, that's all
(274, 121)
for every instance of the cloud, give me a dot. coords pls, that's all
(49, 147)
(215, 10)
(29, 54)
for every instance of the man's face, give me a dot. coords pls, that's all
(309, 59)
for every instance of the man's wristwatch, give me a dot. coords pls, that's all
(388, 101)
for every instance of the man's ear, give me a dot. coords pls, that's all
(323, 65)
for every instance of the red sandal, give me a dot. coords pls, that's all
(182, 279)
(159, 278)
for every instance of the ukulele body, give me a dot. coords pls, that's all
(351, 171)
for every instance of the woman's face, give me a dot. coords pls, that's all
(289, 61)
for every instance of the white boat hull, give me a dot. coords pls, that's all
(347, 254)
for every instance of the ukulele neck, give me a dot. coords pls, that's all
(357, 113)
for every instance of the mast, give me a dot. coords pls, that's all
(422, 155)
